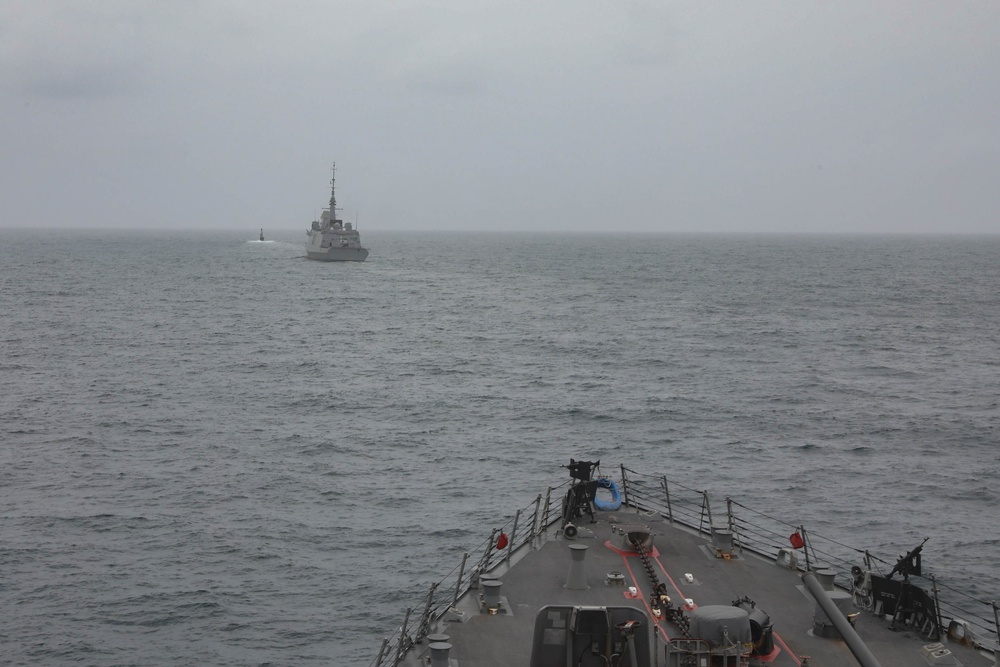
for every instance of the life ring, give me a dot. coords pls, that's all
(616, 496)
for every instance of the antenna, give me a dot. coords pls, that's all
(333, 195)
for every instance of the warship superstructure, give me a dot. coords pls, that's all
(332, 240)
(642, 572)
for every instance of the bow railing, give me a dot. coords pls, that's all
(777, 539)
(522, 530)
(785, 542)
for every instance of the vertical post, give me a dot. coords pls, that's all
(458, 584)
(425, 618)
(625, 493)
(534, 519)
(937, 609)
(485, 563)
(513, 534)
(996, 625)
(401, 646)
(381, 652)
(706, 508)
(666, 492)
(333, 194)
(732, 522)
(805, 547)
(545, 511)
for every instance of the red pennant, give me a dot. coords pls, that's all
(502, 541)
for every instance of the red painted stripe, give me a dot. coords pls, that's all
(642, 596)
(671, 579)
(673, 583)
(778, 638)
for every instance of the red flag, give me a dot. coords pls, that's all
(502, 540)
(796, 540)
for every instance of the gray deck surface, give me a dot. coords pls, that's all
(537, 576)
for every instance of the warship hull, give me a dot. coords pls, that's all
(336, 254)
(333, 240)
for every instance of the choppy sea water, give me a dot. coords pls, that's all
(217, 452)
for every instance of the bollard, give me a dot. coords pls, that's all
(491, 594)
(826, 578)
(439, 654)
(577, 578)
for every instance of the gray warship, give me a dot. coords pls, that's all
(333, 240)
(639, 571)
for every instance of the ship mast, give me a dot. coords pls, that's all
(333, 196)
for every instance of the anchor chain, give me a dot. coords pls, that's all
(659, 601)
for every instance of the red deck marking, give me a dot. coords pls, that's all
(656, 556)
(621, 552)
(667, 574)
(770, 656)
(642, 594)
(787, 650)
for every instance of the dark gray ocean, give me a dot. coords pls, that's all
(213, 451)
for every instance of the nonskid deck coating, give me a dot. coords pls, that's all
(536, 577)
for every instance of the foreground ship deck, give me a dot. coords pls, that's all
(559, 587)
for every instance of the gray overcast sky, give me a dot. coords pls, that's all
(553, 115)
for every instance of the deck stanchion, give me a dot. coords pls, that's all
(513, 534)
(461, 573)
(485, 563)
(805, 547)
(996, 625)
(625, 485)
(732, 523)
(706, 508)
(548, 504)
(425, 618)
(401, 646)
(937, 607)
(381, 652)
(534, 519)
(666, 492)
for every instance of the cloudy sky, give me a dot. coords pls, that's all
(554, 115)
